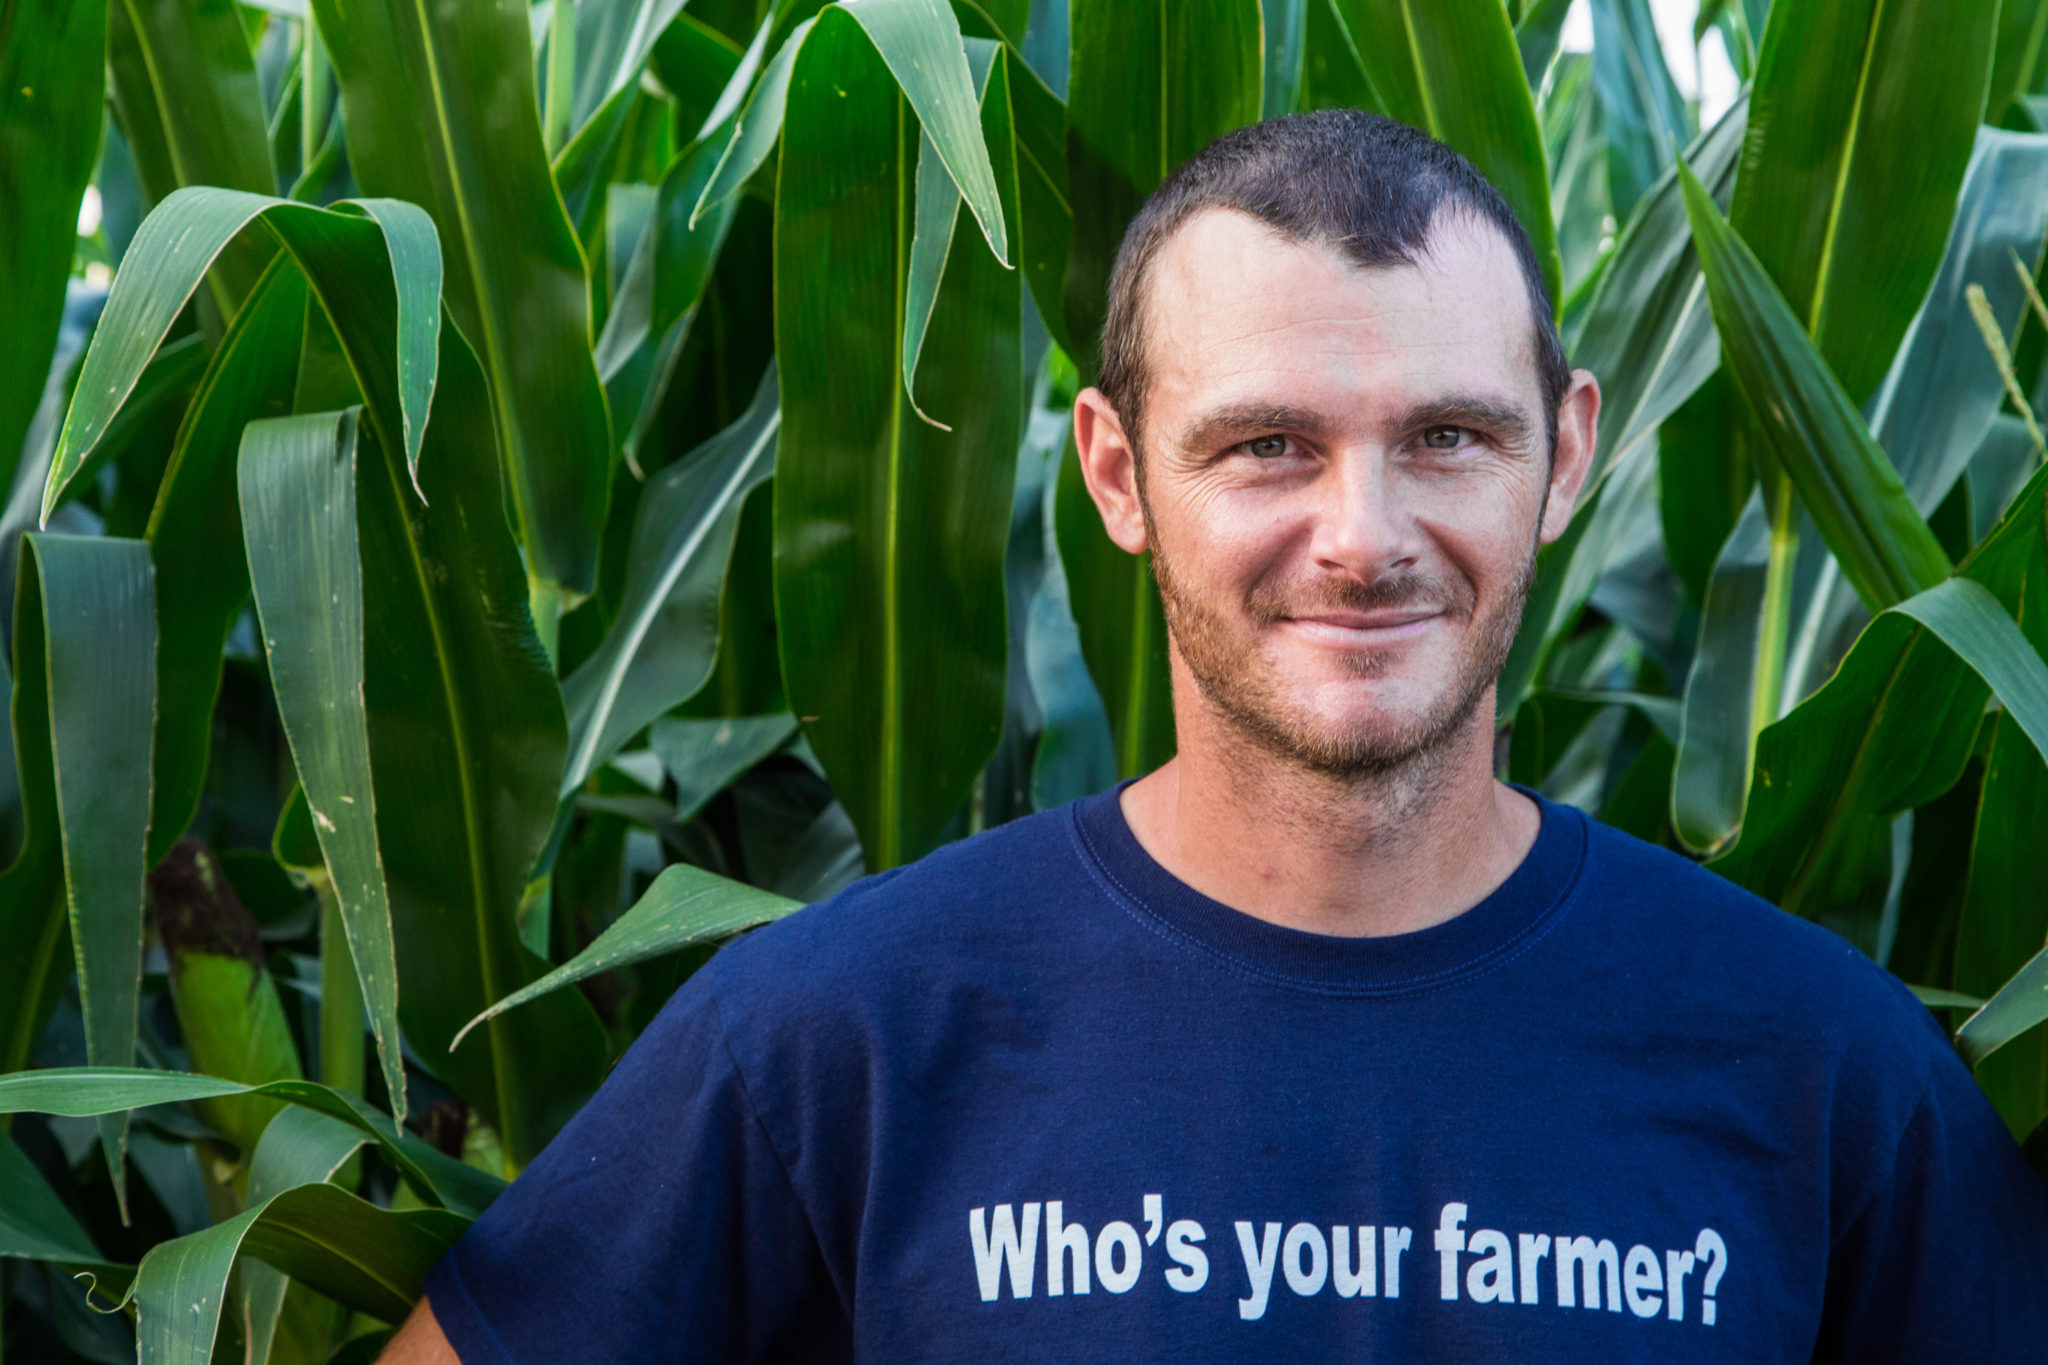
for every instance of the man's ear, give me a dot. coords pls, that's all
(1578, 431)
(1109, 466)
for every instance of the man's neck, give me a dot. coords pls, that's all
(1356, 858)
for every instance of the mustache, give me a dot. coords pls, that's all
(1272, 602)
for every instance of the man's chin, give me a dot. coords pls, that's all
(1369, 727)
(1353, 757)
(1347, 702)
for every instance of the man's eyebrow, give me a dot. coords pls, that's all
(1234, 421)
(1505, 420)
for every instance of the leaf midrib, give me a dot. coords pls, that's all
(890, 835)
(1830, 234)
(1808, 418)
(1422, 88)
(501, 402)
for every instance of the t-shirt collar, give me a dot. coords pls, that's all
(1506, 922)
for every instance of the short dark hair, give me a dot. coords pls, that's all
(1374, 188)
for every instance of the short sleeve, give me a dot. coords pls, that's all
(660, 1225)
(1948, 1258)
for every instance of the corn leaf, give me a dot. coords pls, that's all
(2017, 67)
(760, 124)
(1647, 332)
(195, 536)
(1151, 85)
(440, 110)
(1939, 398)
(658, 295)
(703, 756)
(33, 969)
(1045, 215)
(920, 41)
(1452, 69)
(1891, 730)
(684, 907)
(1074, 754)
(664, 637)
(98, 648)
(52, 78)
(297, 479)
(35, 1225)
(1938, 402)
(301, 1146)
(204, 79)
(84, 1092)
(177, 244)
(441, 584)
(697, 65)
(2002, 921)
(1642, 115)
(1537, 31)
(1866, 510)
(368, 1258)
(1711, 773)
(672, 261)
(2020, 1006)
(614, 39)
(892, 643)
(1286, 28)
(1852, 164)
(1814, 433)
(937, 207)
(467, 739)
(1045, 212)
(192, 85)
(1648, 337)
(1807, 431)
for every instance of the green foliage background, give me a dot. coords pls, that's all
(504, 500)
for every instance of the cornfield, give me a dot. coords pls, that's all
(503, 501)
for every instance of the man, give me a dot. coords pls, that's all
(1318, 1041)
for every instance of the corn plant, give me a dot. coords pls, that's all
(504, 501)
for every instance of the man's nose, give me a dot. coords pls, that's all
(1362, 529)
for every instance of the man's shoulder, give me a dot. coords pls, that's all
(1721, 946)
(965, 905)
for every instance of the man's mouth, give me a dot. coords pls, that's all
(1363, 629)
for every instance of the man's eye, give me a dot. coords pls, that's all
(1444, 438)
(1266, 447)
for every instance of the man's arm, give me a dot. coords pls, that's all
(660, 1223)
(419, 1341)
(1948, 1259)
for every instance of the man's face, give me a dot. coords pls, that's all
(1346, 476)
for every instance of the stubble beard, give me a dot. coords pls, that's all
(1223, 656)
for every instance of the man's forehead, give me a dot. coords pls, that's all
(1222, 256)
(1229, 296)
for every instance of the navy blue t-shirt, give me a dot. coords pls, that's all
(1035, 1099)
